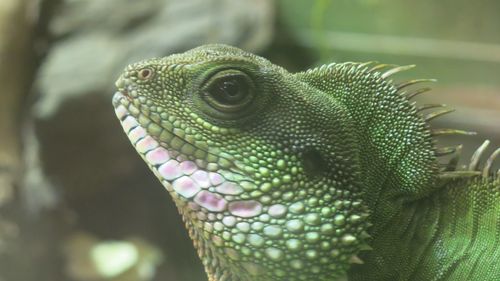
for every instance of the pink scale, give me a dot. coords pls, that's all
(188, 167)
(210, 201)
(229, 188)
(215, 178)
(121, 111)
(146, 144)
(201, 177)
(186, 187)
(157, 156)
(129, 123)
(245, 208)
(170, 170)
(136, 134)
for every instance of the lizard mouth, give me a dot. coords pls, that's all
(189, 181)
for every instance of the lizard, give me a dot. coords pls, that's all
(327, 173)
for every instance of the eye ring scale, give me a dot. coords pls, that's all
(145, 73)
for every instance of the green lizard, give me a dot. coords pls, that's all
(311, 175)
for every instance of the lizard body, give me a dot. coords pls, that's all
(281, 176)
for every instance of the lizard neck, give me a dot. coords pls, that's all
(440, 235)
(396, 149)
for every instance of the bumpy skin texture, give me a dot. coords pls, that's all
(283, 176)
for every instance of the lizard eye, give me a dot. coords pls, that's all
(145, 74)
(229, 91)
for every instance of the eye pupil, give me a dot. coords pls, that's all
(230, 88)
(229, 91)
(145, 73)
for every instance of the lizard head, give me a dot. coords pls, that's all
(263, 168)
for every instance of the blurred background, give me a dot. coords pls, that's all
(78, 204)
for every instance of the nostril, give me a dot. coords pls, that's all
(125, 93)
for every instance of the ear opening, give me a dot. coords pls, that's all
(314, 163)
